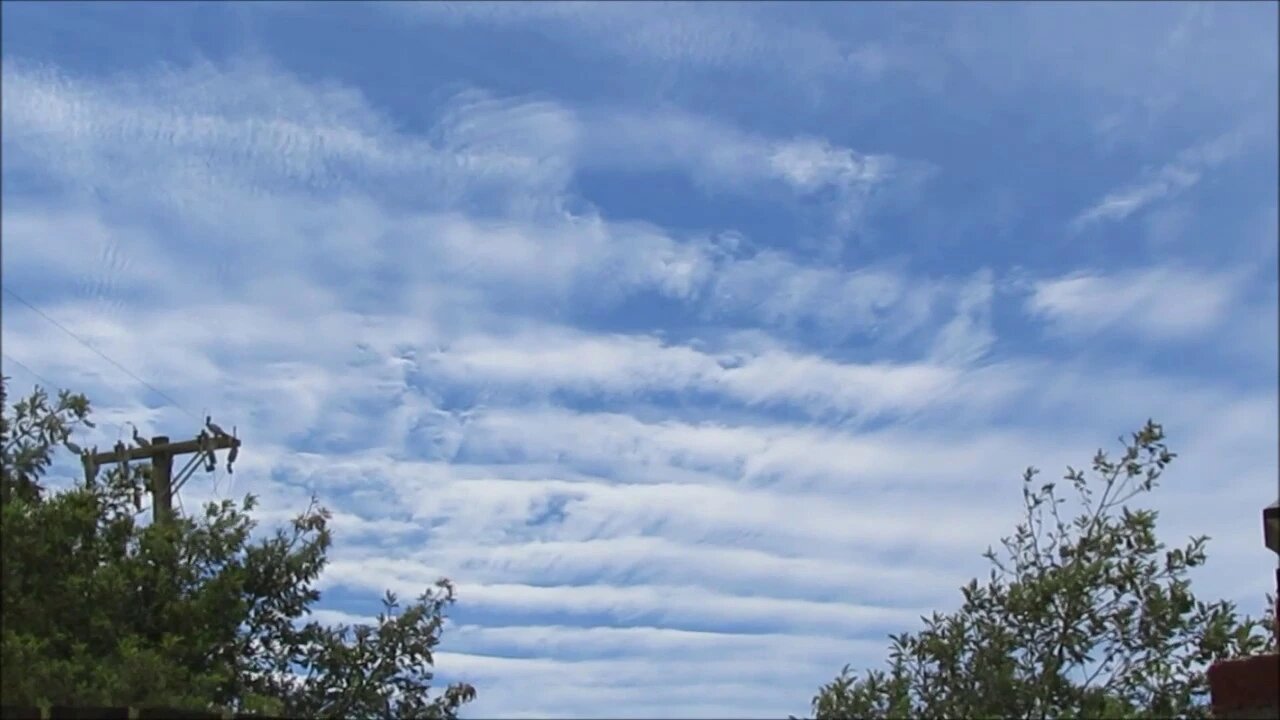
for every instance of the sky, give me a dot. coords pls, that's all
(701, 345)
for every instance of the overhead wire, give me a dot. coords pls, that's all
(101, 354)
(50, 385)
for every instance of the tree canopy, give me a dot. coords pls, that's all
(101, 609)
(1085, 617)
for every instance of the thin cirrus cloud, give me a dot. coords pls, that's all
(1171, 178)
(553, 360)
(626, 441)
(480, 146)
(1161, 304)
(725, 157)
(715, 37)
(57, 118)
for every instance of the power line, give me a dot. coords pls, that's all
(101, 354)
(52, 385)
(31, 372)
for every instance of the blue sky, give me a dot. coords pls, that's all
(702, 345)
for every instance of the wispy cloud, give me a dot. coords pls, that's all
(1169, 180)
(1159, 303)
(708, 37)
(550, 359)
(720, 158)
(514, 157)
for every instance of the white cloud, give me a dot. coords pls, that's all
(875, 302)
(1170, 179)
(723, 668)
(762, 455)
(723, 158)
(673, 606)
(968, 336)
(686, 689)
(810, 164)
(1160, 303)
(717, 36)
(548, 359)
(316, 174)
(253, 130)
(517, 155)
(631, 559)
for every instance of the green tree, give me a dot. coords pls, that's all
(1091, 617)
(100, 609)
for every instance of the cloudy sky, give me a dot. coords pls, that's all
(702, 345)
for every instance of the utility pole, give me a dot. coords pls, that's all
(161, 452)
(161, 480)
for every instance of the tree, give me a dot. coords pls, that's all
(1087, 618)
(196, 614)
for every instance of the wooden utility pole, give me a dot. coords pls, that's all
(161, 453)
(161, 480)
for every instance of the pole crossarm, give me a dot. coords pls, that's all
(217, 442)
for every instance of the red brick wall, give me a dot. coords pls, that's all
(1246, 688)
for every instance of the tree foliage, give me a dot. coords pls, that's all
(100, 609)
(1088, 617)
